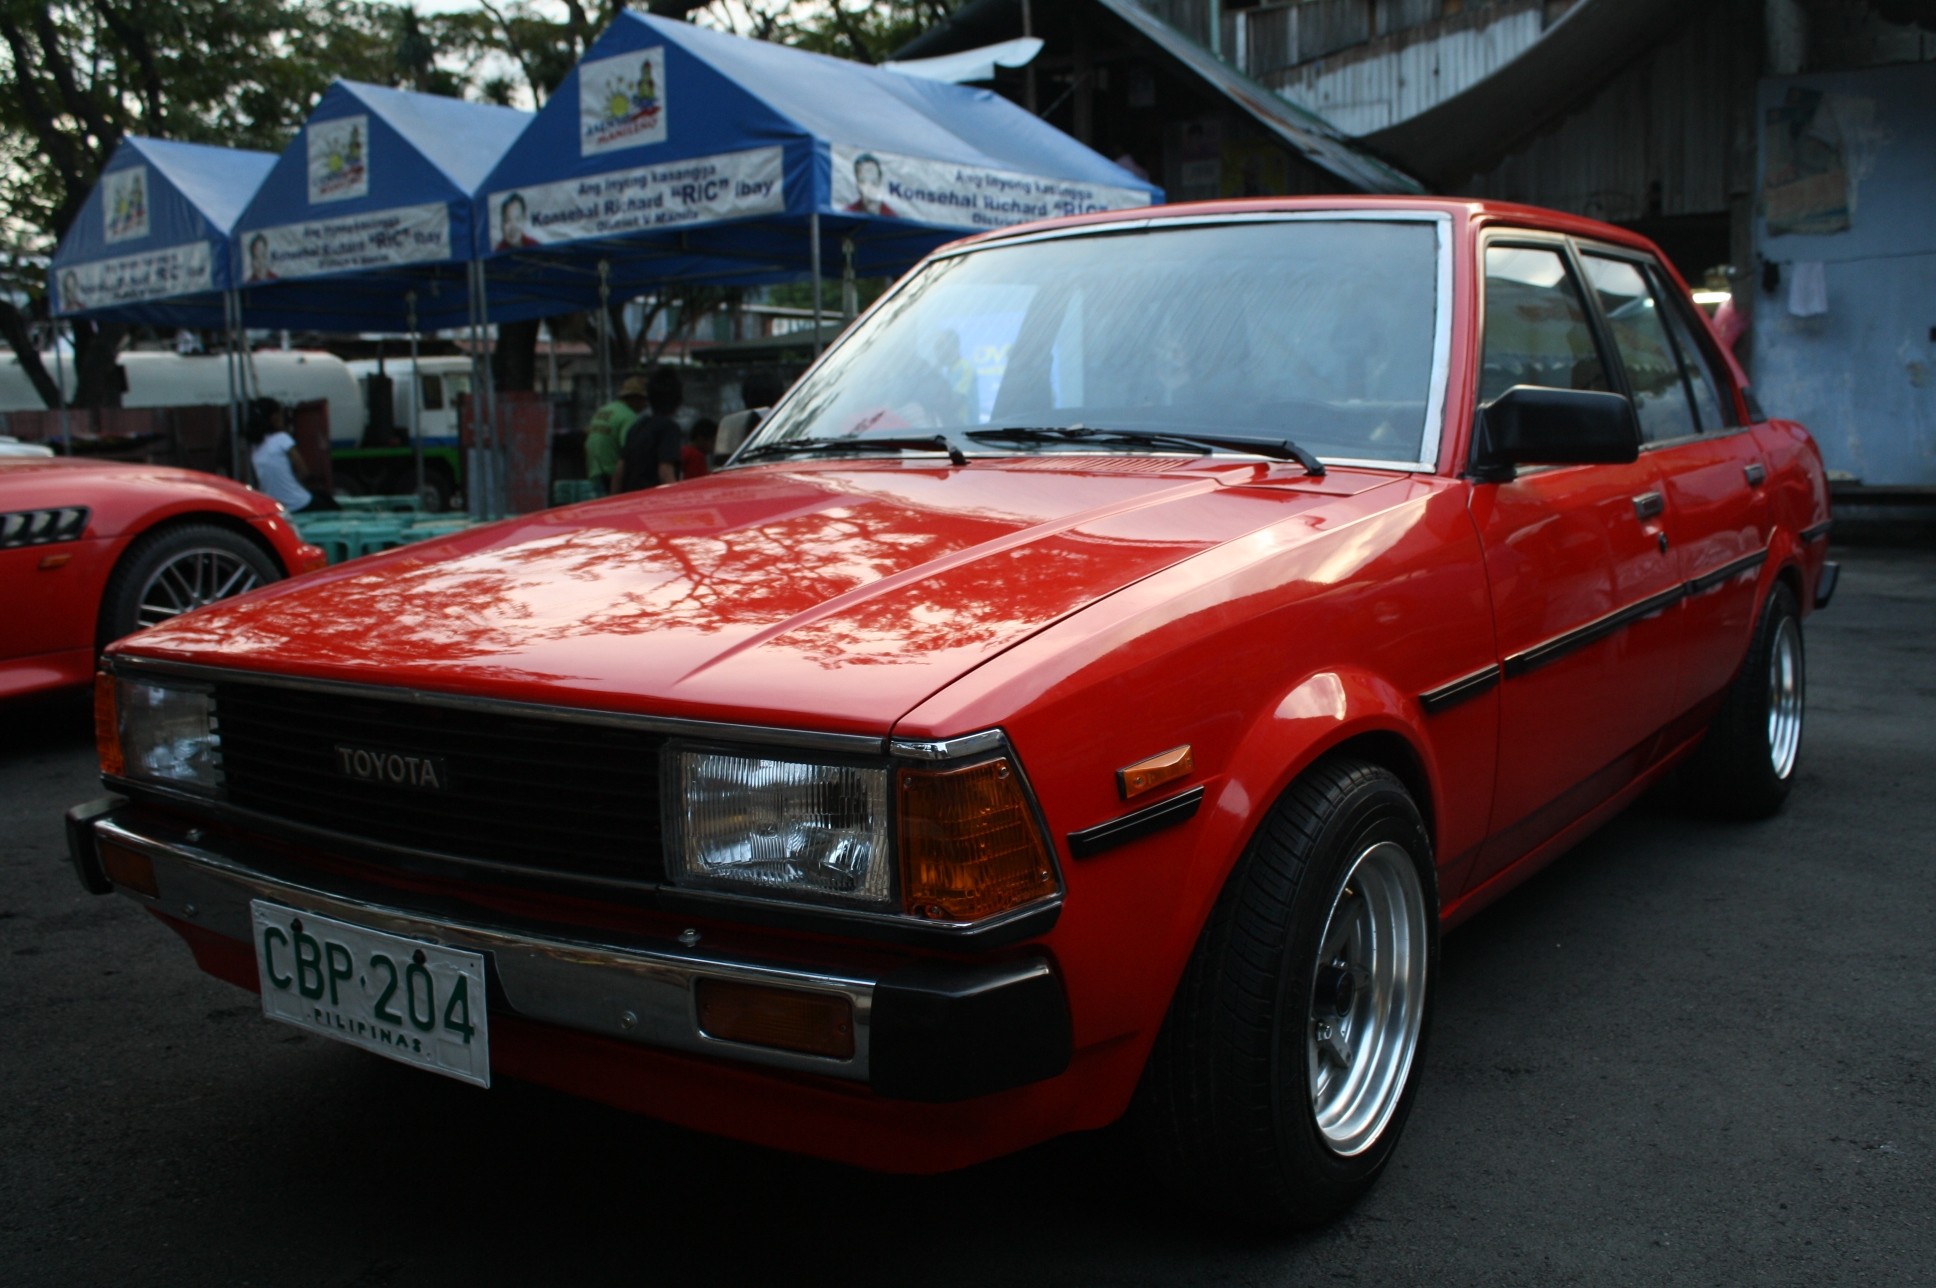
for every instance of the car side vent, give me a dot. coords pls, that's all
(42, 527)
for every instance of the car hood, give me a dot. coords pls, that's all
(832, 596)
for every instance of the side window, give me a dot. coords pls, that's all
(433, 393)
(1536, 327)
(1715, 407)
(1640, 334)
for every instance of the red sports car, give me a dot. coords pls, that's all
(1089, 693)
(91, 550)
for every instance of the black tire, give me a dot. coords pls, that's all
(176, 568)
(1745, 765)
(1239, 1107)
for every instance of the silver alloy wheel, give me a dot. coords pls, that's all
(1368, 1001)
(1785, 697)
(193, 577)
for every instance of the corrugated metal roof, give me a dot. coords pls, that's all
(1307, 132)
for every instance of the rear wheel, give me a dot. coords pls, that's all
(1746, 764)
(174, 569)
(1289, 1060)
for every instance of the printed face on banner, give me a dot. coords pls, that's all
(339, 158)
(622, 101)
(940, 192)
(124, 204)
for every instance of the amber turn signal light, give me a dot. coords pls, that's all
(970, 847)
(107, 726)
(1150, 774)
(130, 868)
(784, 1018)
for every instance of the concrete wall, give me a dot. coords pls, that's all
(1861, 374)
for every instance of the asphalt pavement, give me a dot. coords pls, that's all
(1686, 1053)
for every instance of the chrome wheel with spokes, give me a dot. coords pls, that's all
(194, 577)
(1746, 764)
(1785, 696)
(171, 570)
(1290, 1057)
(1368, 999)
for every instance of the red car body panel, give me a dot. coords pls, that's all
(53, 592)
(1098, 610)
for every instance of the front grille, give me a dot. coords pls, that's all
(550, 794)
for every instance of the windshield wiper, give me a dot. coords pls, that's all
(1278, 450)
(812, 446)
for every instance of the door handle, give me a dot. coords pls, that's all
(1648, 505)
(1756, 474)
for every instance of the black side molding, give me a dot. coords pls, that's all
(1817, 531)
(80, 842)
(1451, 695)
(943, 1031)
(1091, 841)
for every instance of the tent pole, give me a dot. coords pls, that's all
(60, 392)
(604, 331)
(477, 459)
(849, 288)
(416, 396)
(231, 312)
(813, 253)
(499, 458)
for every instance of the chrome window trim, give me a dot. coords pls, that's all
(1432, 437)
(669, 726)
(969, 744)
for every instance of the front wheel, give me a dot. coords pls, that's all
(172, 570)
(1746, 763)
(1288, 1063)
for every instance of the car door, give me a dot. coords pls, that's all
(1583, 580)
(1712, 474)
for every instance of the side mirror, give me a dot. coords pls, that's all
(1533, 425)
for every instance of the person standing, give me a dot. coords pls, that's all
(652, 445)
(606, 432)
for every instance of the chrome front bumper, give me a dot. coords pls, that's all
(954, 1031)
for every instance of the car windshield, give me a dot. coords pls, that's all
(1318, 332)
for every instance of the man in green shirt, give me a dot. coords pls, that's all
(606, 433)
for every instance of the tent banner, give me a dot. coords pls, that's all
(941, 192)
(733, 185)
(621, 102)
(124, 204)
(380, 239)
(132, 279)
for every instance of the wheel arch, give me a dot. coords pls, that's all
(132, 538)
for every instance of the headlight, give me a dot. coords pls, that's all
(160, 732)
(755, 824)
(955, 843)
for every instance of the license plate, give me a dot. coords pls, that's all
(419, 1003)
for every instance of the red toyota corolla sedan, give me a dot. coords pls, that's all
(91, 550)
(1088, 694)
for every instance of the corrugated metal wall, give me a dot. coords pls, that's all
(1360, 95)
(1658, 140)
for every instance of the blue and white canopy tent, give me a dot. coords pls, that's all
(364, 223)
(674, 153)
(151, 243)
(150, 246)
(369, 207)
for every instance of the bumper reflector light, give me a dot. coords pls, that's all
(784, 1018)
(130, 868)
(970, 847)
